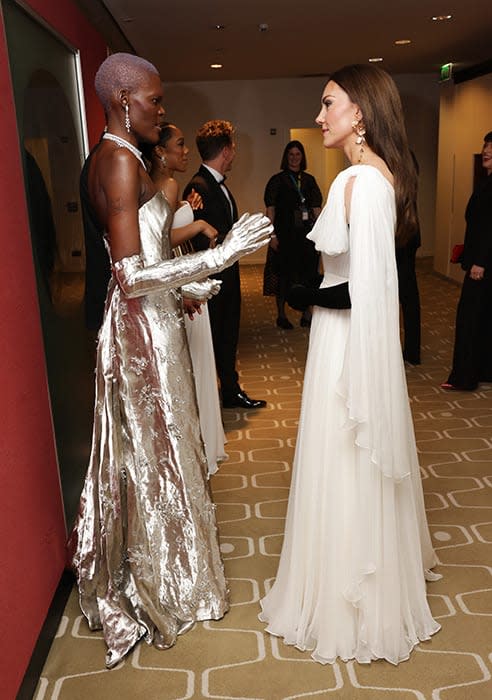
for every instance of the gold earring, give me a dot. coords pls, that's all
(360, 133)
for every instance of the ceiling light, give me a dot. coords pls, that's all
(219, 26)
(402, 42)
(375, 60)
(216, 65)
(441, 18)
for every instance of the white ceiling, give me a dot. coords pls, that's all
(304, 37)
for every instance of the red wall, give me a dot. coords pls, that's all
(32, 529)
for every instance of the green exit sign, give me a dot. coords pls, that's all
(446, 72)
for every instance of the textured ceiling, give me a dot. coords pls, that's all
(304, 37)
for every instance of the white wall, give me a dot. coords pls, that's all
(255, 107)
(465, 118)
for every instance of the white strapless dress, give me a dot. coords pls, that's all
(203, 361)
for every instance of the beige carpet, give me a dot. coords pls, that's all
(234, 658)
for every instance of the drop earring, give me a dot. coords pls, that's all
(360, 133)
(163, 160)
(127, 118)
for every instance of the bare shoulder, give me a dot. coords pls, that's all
(118, 169)
(118, 182)
(170, 189)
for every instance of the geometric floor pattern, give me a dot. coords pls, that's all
(234, 659)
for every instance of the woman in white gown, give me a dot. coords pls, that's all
(357, 551)
(199, 336)
(169, 156)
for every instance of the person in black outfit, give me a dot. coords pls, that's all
(293, 202)
(472, 357)
(215, 142)
(408, 292)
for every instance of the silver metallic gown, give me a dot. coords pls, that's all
(145, 545)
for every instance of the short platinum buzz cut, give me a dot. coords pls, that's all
(120, 71)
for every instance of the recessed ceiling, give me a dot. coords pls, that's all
(302, 37)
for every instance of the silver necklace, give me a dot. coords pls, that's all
(123, 143)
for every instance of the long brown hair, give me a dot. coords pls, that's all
(375, 92)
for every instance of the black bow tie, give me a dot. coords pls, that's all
(223, 180)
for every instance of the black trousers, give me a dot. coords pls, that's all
(472, 356)
(225, 312)
(408, 293)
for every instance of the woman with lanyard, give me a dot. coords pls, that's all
(293, 202)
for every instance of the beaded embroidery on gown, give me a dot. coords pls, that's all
(203, 361)
(356, 550)
(145, 542)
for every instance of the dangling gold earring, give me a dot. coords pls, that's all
(360, 132)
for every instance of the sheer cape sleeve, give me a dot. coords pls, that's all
(372, 381)
(330, 232)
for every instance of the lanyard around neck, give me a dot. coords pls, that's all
(297, 184)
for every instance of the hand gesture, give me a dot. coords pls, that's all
(195, 200)
(250, 233)
(202, 290)
(191, 306)
(477, 272)
(209, 231)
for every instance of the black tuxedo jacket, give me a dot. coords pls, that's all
(216, 208)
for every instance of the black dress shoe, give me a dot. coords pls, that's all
(242, 400)
(283, 322)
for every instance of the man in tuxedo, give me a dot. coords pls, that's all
(215, 142)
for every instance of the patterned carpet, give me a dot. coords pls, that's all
(233, 658)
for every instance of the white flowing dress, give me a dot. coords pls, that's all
(356, 551)
(203, 361)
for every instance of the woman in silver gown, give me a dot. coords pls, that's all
(144, 546)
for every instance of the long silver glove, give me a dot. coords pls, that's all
(248, 234)
(201, 291)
